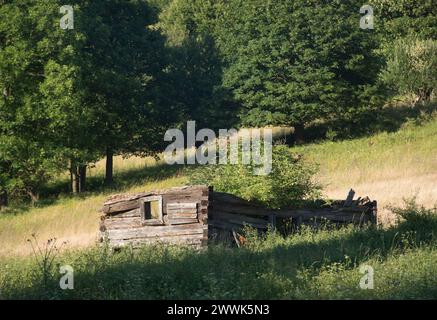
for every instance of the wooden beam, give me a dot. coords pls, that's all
(350, 198)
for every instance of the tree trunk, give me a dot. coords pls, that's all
(82, 178)
(6, 92)
(4, 200)
(34, 197)
(299, 133)
(109, 179)
(74, 179)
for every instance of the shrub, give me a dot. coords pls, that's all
(411, 67)
(415, 215)
(290, 182)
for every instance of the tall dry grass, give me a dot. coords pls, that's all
(387, 167)
(74, 220)
(310, 264)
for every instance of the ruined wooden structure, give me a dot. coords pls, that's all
(174, 216)
(189, 215)
(230, 212)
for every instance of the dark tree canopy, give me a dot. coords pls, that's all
(131, 69)
(291, 62)
(71, 95)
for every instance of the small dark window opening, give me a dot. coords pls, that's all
(151, 210)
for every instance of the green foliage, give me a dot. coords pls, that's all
(310, 264)
(44, 117)
(26, 166)
(406, 17)
(411, 67)
(24, 150)
(132, 69)
(291, 62)
(122, 75)
(70, 95)
(195, 69)
(414, 214)
(290, 182)
(45, 257)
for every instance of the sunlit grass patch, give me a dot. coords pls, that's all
(323, 264)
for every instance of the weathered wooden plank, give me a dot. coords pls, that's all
(374, 209)
(240, 209)
(156, 231)
(182, 221)
(229, 198)
(312, 213)
(121, 206)
(127, 214)
(237, 241)
(117, 223)
(350, 198)
(331, 217)
(193, 192)
(189, 237)
(125, 197)
(182, 205)
(338, 218)
(184, 189)
(182, 240)
(237, 218)
(153, 222)
(102, 227)
(240, 223)
(182, 215)
(181, 208)
(232, 204)
(226, 225)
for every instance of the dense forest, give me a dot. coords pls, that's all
(130, 70)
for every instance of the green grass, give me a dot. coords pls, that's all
(412, 148)
(309, 265)
(387, 166)
(75, 219)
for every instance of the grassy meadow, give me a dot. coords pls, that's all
(348, 89)
(75, 220)
(308, 265)
(387, 166)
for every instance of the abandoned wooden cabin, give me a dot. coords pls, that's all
(176, 216)
(191, 215)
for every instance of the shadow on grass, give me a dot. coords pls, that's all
(269, 268)
(123, 180)
(15, 209)
(387, 119)
(132, 177)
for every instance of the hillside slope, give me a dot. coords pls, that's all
(387, 167)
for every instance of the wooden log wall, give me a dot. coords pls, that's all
(184, 218)
(189, 213)
(230, 212)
